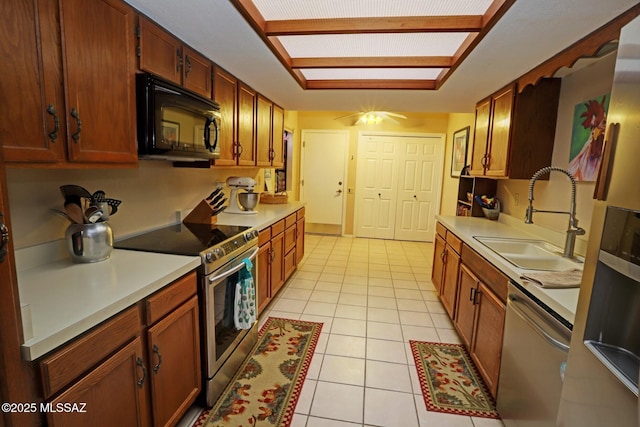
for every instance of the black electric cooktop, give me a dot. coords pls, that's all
(181, 239)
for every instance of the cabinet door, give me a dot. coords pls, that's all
(174, 363)
(264, 276)
(225, 90)
(486, 349)
(450, 281)
(299, 240)
(32, 102)
(197, 72)
(277, 137)
(246, 143)
(498, 151)
(263, 131)
(99, 73)
(480, 137)
(160, 52)
(277, 263)
(437, 273)
(115, 393)
(465, 307)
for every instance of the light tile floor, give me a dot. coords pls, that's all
(373, 296)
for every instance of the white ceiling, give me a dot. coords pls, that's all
(530, 32)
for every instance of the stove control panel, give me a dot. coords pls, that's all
(250, 235)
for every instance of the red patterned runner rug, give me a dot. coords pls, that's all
(450, 381)
(265, 390)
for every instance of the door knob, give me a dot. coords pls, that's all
(339, 191)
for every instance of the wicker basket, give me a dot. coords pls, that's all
(273, 199)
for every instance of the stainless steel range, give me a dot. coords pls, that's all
(222, 250)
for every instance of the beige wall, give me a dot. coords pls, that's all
(554, 194)
(449, 183)
(326, 120)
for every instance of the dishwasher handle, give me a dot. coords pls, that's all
(515, 300)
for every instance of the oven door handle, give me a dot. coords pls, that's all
(234, 269)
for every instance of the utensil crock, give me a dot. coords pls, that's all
(89, 242)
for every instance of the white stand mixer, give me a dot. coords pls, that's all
(235, 183)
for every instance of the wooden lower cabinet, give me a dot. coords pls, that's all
(479, 320)
(115, 393)
(121, 384)
(281, 248)
(174, 362)
(486, 348)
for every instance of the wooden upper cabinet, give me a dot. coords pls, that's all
(277, 137)
(519, 133)
(197, 71)
(481, 137)
(246, 142)
(159, 51)
(498, 149)
(264, 109)
(32, 100)
(99, 69)
(225, 93)
(166, 56)
(63, 101)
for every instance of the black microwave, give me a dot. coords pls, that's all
(174, 123)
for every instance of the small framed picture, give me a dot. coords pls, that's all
(459, 151)
(170, 132)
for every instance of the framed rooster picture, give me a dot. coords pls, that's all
(587, 138)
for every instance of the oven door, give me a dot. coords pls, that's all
(222, 337)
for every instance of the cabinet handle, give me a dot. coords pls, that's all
(472, 292)
(272, 255)
(443, 256)
(4, 239)
(475, 296)
(140, 363)
(188, 61)
(156, 351)
(76, 115)
(240, 149)
(179, 55)
(53, 135)
(272, 154)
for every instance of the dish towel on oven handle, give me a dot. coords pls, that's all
(244, 315)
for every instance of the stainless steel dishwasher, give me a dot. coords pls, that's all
(534, 354)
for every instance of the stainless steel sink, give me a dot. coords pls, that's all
(530, 254)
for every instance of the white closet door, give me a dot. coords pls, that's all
(398, 186)
(419, 181)
(375, 187)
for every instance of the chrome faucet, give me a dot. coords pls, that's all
(573, 230)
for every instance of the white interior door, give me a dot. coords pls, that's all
(419, 180)
(324, 156)
(377, 179)
(398, 185)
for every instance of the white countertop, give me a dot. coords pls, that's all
(562, 301)
(266, 214)
(61, 299)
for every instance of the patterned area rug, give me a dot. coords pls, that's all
(266, 388)
(450, 382)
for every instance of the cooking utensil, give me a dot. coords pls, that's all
(71, 190)
(98, 196)
(62, 214)
(74, 211)
(217, 211)
(214, 193)
(113, 204)
(93, 214)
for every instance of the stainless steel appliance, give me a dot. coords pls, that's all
(222, 250)
(174, 123)
(592, 396)
(534, 354)
(612, 332)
